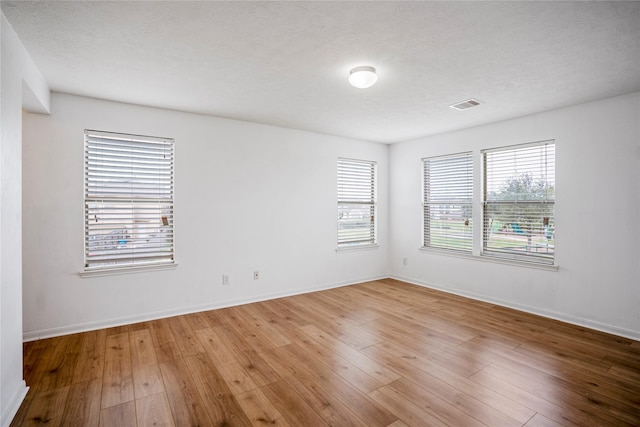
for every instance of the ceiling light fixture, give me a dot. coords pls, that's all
(363, 77)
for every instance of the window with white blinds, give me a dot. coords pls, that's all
(448, 202)
(519, 202)
(128, 200)
(356, 203)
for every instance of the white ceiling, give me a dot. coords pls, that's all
(287, 63)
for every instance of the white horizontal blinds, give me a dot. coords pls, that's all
(356, 202)
(448, 202)
(128, 199)
(519, 202)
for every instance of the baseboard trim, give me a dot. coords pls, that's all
(214, 305)
(90, 326)
(574, 320)
(11, 410)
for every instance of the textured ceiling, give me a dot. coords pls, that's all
(287, 63)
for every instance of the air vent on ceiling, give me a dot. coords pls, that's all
(465, 104)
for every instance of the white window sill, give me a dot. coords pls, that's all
(495, 260)
(126, 270)
(356, 247)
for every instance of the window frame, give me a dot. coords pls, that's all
(148, 199)
(366, 197)
(517, 256)
(461, 196)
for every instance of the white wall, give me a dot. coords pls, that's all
(263, 202)
(21, 85)
(597, 217)
(248, 197)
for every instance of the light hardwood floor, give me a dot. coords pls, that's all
(382, 353)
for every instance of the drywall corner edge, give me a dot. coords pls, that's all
(11, 410)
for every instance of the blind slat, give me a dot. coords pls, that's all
(447, 202)
(356, 202)
(519, 202)
(128, 200)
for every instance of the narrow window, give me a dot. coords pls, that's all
(519, 202)
(448, 202)
(356, 203)
(128, 200)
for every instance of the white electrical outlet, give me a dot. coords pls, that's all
(405, 261)
(256, 275)
(225, 279)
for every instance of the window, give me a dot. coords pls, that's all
(448, 202)
(356, 203)
(128, 200)
(519, 197)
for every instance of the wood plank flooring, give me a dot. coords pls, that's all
(383, 353)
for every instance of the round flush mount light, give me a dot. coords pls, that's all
(363, 77)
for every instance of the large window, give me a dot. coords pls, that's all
(448, 202)
(356, 203)
(519, 198)
(128, 200)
